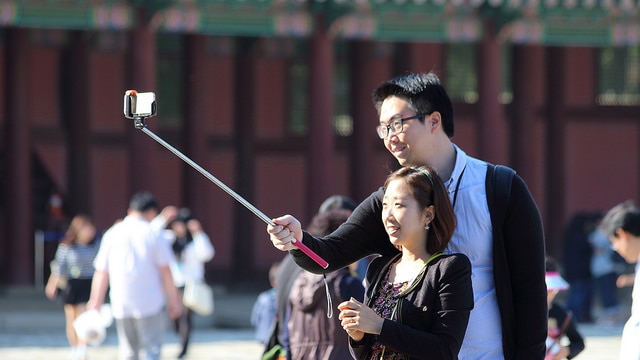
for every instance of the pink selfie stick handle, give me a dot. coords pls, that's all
(315, 257)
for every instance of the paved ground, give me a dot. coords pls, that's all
(32, 328)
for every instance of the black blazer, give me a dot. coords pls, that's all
(433, 312)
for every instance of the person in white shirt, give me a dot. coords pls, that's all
(622, 225)
(133, 263)
(192, 249)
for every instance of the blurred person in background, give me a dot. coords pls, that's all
(564, 341)
(621, 224)
(289, 271)
(133, 262)
(576, 266)
(192, 249)
(313, 335)
(605, 270)
(263, 312)
(71, 276)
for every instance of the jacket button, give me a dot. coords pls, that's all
(424, 308)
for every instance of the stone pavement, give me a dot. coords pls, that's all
(32, 328)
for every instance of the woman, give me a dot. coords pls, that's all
(192, 248)
(417, 303)
(72, 275)
(312, 334)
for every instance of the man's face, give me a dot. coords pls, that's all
(626, 245)
(408, 146)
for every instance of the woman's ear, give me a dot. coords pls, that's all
(429, 214)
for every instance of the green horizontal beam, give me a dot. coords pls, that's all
(386, 21)
(66, 15)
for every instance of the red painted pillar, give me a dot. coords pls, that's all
(19, 222)
(195, 133)
(320, 154)
(79, 138)
(527, 67)
(492, 128)
(370, 66)
(142, 77)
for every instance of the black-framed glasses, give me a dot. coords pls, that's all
(396, 126)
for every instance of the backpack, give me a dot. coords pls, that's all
(498, 183)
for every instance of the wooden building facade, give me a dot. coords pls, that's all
(273, 98)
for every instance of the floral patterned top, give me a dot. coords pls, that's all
(384, 304)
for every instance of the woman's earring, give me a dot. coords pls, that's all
(426, 227)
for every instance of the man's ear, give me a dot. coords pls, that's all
(434, 121)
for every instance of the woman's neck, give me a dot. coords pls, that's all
(409, 266)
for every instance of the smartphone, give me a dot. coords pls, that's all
(139, 104)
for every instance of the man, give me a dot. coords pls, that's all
(416, 125)
(133, 262)
(622, 225)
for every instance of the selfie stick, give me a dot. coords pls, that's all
(140, 124)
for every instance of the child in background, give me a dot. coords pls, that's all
(561, 322)
(263, 313)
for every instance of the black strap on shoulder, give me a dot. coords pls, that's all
(498, 183)
(498, 186)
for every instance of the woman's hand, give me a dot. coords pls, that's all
(194, 226)
(51, 290)
(358, 319)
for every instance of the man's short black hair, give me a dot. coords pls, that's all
(625, 216)
(424, 94)
(143, 201)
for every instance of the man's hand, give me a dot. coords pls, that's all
(285, 233)
(169, 213)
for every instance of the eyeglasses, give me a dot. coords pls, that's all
(395, 126)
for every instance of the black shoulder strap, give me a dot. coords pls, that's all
(498, 183)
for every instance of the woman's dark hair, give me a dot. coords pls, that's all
(184, 215)
(76, 224)
(427, 188)
(424, 93)
(324, 223)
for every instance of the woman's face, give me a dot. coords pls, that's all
(402, 216)
(179, 228)
(86, 233)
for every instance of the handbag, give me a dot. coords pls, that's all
(198, 296)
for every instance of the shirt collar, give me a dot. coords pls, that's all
(461, 163)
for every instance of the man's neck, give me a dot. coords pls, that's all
(444, 161)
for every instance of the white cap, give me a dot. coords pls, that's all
(555, 281)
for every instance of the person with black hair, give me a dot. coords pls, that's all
(71, 276)
(622, 225)
(288, 272)
(133, 263)
(504, 243)
(313, 335)
(417, 302)
(192, 249)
